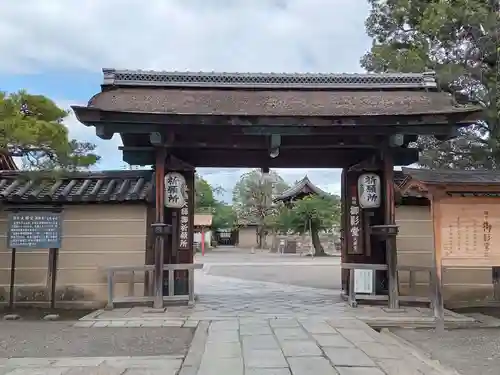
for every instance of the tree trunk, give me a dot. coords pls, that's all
(260, 238)
(318, 248)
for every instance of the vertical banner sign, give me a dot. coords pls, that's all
(34, 230)
(175, 190)
(354, 224)
(486, 234)
(369, 190)
(184, 227)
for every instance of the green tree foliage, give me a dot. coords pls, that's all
(206, 202)
(458, 39)
(32, 127)
(204, 196)
(311, 214)
(253, 199)
(224, 216)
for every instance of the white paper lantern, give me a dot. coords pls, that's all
(369, 191)
(175, 190)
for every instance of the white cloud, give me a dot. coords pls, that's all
(230, 35)
(111, 157)
(219, 35)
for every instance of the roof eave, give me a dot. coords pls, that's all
(297, 189)
(88, 116)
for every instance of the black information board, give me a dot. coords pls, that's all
(34, 230)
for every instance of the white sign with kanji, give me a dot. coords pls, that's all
(363, 281)
(184, 227)
(354, 224)
(369, 190)
(175, 190)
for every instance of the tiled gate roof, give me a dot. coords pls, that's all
(92, 187)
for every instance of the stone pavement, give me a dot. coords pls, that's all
(260, 328)
(224, 297)
(256, 328)
(157, 365)
(304, 346)
(256, 346)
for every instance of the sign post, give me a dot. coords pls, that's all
(29, 230)
(12, 277)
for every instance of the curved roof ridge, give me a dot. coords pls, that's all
(298, 188)
(119, 77)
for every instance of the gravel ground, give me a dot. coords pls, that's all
(60, 339)
(469, 351)
(324, 276)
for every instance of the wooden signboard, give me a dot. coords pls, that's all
(470, 234)
(34, 230)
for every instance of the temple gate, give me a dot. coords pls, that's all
(362, 123)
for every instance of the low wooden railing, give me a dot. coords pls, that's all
(149, 270)
(352, 297)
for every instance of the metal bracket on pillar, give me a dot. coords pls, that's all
(161, 229)
(156, 138)
(384, 231)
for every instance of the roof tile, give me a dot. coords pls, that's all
(304, 186)
(289, 102)
(447, 176)
(92, 187)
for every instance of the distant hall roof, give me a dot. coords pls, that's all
(7, 163)
(304, 186)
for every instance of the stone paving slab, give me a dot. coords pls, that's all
(224, 298)
(289, 347)
(152, 365)
(300, 347)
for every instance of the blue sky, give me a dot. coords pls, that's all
(58, 48)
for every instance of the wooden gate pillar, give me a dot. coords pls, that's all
(179, 246)
(159, 224)
(390, 222)
(369, 233)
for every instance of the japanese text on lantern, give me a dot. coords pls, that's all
(175, 190)
(184, 227)
(354, 224)
(369, 190)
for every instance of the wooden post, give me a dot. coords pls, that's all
(52, 276)
(495, 276)
(12, 278)
(202, 241)
(437, 301)
(344, 277)
(160, 219)
(111, 296)
(390, 219)
(175, 237)
(174, 256)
